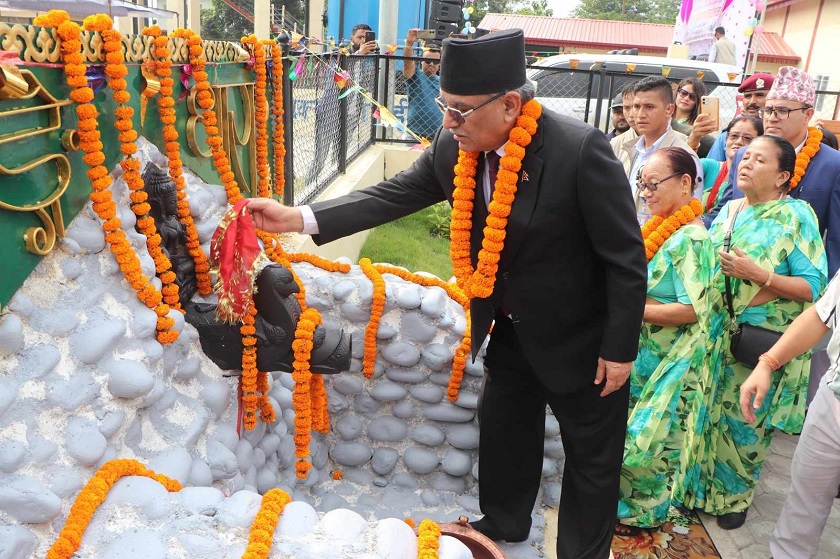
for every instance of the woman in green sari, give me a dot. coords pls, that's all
(777, 267)
(671, 362)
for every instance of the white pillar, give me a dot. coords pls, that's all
(194, 16)
(388, 19)
(262, 18)
(316, 23)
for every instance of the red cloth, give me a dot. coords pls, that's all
(236, 256)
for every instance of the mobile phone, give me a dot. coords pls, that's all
(370, 36)
(426, 34)
(711, 106)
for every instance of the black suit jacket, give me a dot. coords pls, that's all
(573, 268)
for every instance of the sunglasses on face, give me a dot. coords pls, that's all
(461, 116)
(435, 62)
(686, 93)
(652, 186)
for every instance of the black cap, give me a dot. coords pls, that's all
(490, 64)
(618, 101)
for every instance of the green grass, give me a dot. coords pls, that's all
(409, 242)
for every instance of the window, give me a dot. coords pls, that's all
(822, 85)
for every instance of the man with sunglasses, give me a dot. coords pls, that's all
(422, 87)
(567, 301)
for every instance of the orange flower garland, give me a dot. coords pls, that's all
(166, 110)
(480, 282)
(277, 111)
(92, 495)
(657, 230)
(301, 397)
(377, 305)
(69, 34)
(248, 380)
(260, 113)
(262, 530)
(428, 536)
(803, 158)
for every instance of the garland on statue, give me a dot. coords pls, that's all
(377, 306)
(261, 536)
(257, 49)
(277, 111)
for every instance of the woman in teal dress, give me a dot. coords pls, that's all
(672, 349)
(777, 267)
(740, 132)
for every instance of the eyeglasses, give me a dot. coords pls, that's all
(461, 116)
(781, 112)
(431, 62)
(686, 93)
(652, 186)
(735, 137)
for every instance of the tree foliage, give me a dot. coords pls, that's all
(650, 11)
(529, 7)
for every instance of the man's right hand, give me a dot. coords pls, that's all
(367, 48)
(273, 217)
(411, 38)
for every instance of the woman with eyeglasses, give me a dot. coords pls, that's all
(671, 362)
(776, 266)
(740, 132)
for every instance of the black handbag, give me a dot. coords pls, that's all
(747, 342)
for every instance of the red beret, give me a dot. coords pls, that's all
(757, 82)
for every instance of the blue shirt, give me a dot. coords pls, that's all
(424, 117)
(718, 149)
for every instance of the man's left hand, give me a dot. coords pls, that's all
(615, 374)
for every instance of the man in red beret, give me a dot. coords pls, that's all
(754, 90)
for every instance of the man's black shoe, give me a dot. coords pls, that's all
(732, 520)
(489, 529)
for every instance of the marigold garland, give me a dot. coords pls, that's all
(428, 536)
(803, 158)
(257, 48)
(261, 535)
(166, 110)
(277, 111)
(479, 282)
(657, 230)
(301, 397)
(92, 495)
(69, 34)
(248, 379)
(377, 305)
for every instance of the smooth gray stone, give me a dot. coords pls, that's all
(366, 405)
(342, 289)
(220, 197)
(144, 493)
(84, 442)
(12, 454)
(69, 246)
(253, 436)
(456, 462)
(366, 292)
(71, 268)
(437, 357)
(332, 502)
(385, 332)
(129, 379)
(137, 544)
(357, 343)
(216, 395)
(17, 542)
(71, 394)
(27, 501)
(463, 436)
(91, 343)
(468, 502)
(358, 476)
(175, 463)
(287, 381)
(66, 482)
(384, 460)
(200, 500)
(153, 350)
(447, 412)
(222, 461)
(404, 409)
(428, 435)
(259, 458)
(22, 304)
(412, 376)
(421, 460)
(467, 399)
(320, 454)
(320, 304)
(348, 385)
(348, 427)
(428, 394)
(549, 467)
(444, 482)
(244, 454)
(205, 230)
(404, 479)
(551, 493)
(447, 320)
(11, 334)
(8, 392)
(198, 546)
(111, 421)
(270, 443)
(188, 369)
(434, 302)
(88, 234)
(128, 218)
(380, 481)
(354, 313)
(554, 449)
(417, 328)
(440, 379)
(159, 390)
(36, 361)
(401, 353)
(386, 428)
(475, 368)
(286, 452)
(350, 453)
(552, 427)
(336, 403)
(200, 473)
(266, 480)
(174, 433)
(41, 449)
(200, 201)
(408, 296)
(388, 392)
(282, 395)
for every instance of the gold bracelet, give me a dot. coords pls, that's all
(770, 360)
(769, 279)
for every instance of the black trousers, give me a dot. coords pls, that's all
(512, 435)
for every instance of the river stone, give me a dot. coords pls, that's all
(342, 289)
(552, 427)
(200, 473)
(298, 519)
(384, 460)
(421, 460)
(434, 301)
(342, 525)
(554, 449)
(27, 501)
(467, 399)
(17, 542)
(357, 344)
(175, 463)
(428, 394)
(354, 313)
(90, 344)
(88, 233)
(348, 427)
(428, 435)
(549, 467)
(436, 356)
(282, 395)
(22, 304)
(385, 331)
(11, 334)
(129, 379)
(388, 392)
(463, 436)
(386, 428)
(440, 379)
(239, 509)
(395, 539)
(401, 353)
(74, 392)
(474, 368)
(412, 376)
(222, 461)
(448, 413)
(416, 328)
(12, 454)
(366, 405)
(83, 441)
(348, 385)
(430, 498)
(216, 395)
(200, 500)
(447, 484)
(551, 493)
(41, 449)
(406, 480)
(36, 361)
(145, 493)
(8, 392)
(404, 409)
(66, 482)
(137, 544)
(456, 462)
(408, 296)
(110, 421)
(350, 453)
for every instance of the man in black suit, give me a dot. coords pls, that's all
(567, 300)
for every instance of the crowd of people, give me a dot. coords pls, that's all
(661, 354)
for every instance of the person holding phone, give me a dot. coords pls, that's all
(363, 40)
(422, 87)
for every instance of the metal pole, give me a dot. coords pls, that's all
(600, 102)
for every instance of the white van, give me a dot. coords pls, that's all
(575, 93)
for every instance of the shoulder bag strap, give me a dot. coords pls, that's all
(727, 240)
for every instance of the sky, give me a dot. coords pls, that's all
(562, 7)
